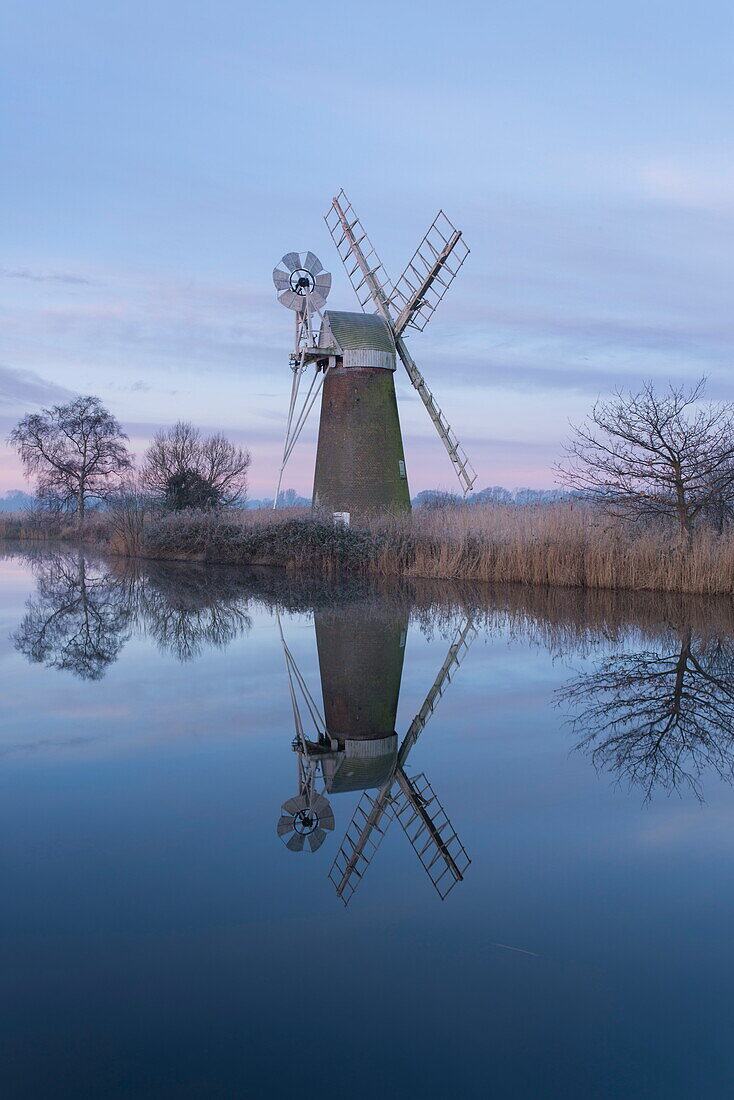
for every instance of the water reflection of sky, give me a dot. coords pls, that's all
(158, 940)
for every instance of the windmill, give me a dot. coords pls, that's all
(360, 462)
(356, 748)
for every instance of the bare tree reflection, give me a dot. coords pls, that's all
(660, 719)
(78, 620)
(192, 608)
(84, 611)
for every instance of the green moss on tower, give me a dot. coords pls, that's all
(360, 462)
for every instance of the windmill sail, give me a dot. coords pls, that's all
(428, 275)
(368, 277)
(411, 804)
(359, 256)
(459, 458)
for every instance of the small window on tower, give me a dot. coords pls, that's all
(401, 467)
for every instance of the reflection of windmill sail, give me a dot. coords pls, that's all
(430, 832)
(414, 804)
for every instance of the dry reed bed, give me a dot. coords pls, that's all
(566, 545)
(561, 545)
(43, 526)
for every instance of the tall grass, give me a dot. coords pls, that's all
(568, 545)
(37, 524)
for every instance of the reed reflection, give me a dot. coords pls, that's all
(660, 718)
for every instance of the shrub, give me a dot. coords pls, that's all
(292, 543)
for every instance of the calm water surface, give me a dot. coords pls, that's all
(166, 929)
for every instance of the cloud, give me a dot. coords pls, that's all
(694, 186)
(47, 743)
(502, 369)
(44, 277)
(25, 387)
(146, 324)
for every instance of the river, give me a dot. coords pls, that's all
(267, 837)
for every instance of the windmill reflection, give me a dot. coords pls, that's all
(660, 719)
(354, 747)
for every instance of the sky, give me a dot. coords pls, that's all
(160, 158)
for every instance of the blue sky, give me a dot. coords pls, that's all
(159, 158)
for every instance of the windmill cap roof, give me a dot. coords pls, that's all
(351, 331)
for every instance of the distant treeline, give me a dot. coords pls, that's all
(17, 501)
(497, 494)
(287, 498)
(440, 498)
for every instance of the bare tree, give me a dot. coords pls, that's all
(649, 455)
(193, 471)
(77, 452)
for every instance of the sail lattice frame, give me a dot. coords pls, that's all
(428, 275)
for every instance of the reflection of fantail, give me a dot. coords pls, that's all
(356, 749)
(305, 818)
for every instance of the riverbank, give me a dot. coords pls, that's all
(567, 545)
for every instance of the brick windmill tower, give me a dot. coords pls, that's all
(360, 462)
